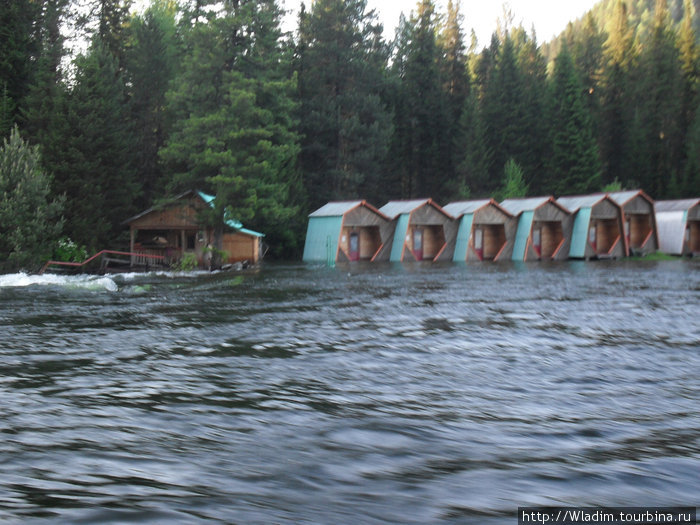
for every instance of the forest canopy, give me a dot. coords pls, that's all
(215, 96)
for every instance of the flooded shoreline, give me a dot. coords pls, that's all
(397, 393)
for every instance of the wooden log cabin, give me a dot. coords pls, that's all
(175, 229)
(347, 232)
(486, 232)
(679, 226)
(639, 221)
(423, 231)
(544, 229)
(598, 229)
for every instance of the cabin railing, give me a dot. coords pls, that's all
(77, 265)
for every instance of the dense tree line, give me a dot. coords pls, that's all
(214, 96)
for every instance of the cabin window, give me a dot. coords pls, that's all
(687, 234)
(191, 241)
(418, 240)
(478, 239)
(537, 240)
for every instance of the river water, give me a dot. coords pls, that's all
(356, 394)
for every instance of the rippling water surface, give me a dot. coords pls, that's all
(390, 394)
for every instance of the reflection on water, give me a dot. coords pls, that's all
(360, 394)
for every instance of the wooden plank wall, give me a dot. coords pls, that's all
(694, 244)
(241, 247)
(552, 235)
(640, 226)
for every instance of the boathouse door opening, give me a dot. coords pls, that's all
(693, 237)
(547, 238)
(354, 250)
(638, 229)
(606, 234)
(494, 240)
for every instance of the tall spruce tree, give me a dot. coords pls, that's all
(151, 64)
(574, 165)
(19, 20)
(345, 123)
(505, 113)
(533, 68)
(619, 55)
(234, 128)
(586, 47)
(42, 116)
(689, 53)
(421, 109)
(95, 169)
(657, 103)
(456, 86)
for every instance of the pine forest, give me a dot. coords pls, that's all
(106, 111)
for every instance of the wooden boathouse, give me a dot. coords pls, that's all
(486, 232)
(423, 231)
(598, 230)
(175, 229)
(347, 232)
(678, 222)
(544, 229)
(639, 221)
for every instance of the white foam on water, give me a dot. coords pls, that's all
(88, 282)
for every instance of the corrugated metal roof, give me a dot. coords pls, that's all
(621, 197)
(517, 206)
(576, 202)
(457, 209)
(676, 205)
(334, 209)
(670, 226)
(393, 209)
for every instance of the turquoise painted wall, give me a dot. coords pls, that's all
(322, 238)
(579, 235)
(522, 235)
(465, 230)
(399, 238)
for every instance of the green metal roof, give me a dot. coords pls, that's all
(231, 223)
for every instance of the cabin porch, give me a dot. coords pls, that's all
(172, 244)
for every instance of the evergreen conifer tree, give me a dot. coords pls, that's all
(574, 166)
(30, 220)
(345, 124)
(234, 125)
